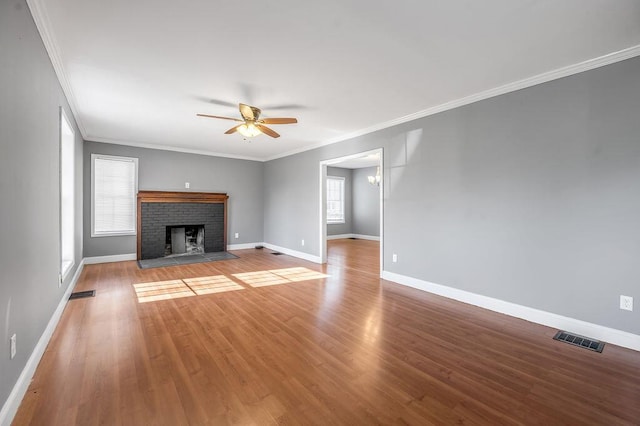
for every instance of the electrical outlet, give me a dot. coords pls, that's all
(187, 185)
(12, 344)
(394, 258)
(626, 303)
(237, 235)
(302, 242)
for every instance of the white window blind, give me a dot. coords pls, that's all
(67, 197)
(335, 199)
(114, 188)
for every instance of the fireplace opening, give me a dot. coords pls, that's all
(184, 240)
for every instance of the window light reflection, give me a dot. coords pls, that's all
(213, 284)
(279, 276)
(188, 287)
(162, 290)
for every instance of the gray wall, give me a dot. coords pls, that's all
(30, 97)
(168, 171)
(532, 197)
(365, 203)
(346, 227)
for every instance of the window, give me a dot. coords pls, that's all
(335, 199)
(67, 195)
(114, 183)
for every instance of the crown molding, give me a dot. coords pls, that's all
(172, 148)
(41, 19)
(569, 70)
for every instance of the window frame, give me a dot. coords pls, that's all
(67, 194)
(133, 231)
(343, 220)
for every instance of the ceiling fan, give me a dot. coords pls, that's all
(252, 124)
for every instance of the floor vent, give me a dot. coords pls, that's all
(277, 253)
(82, 294)
(352, 238)
(583, 342)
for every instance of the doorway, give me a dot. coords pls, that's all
(368, 159)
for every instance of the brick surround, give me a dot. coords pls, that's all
(157, 216)
(157, 210)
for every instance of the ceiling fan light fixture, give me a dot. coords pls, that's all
(252, 125)
(248, 130)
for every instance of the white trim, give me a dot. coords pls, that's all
(243, 246)
(342, 180)
(339, 236)
(133, 160)
(371, 152)
(611, 335)
(323, 200)
(66, 267)
(359, 236)
(366, 237)
(587, 65)
(14, 400)
(322, 214)
(294, 253)
(171, 148)
(41, 19)
(381, 206)
(108, 259)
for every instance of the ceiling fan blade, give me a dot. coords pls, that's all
(283, 106)
(233, 129)
(249, 113)
(278, 120)
(216, 116)
(267, 131)
(221, 103)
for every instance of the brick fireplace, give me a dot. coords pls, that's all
(160, 212)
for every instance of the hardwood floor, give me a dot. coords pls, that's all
(268, 340)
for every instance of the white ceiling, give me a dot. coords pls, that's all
(137, 71)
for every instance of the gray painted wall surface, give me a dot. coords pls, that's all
(365, 203)
(30, 97)
(346, 227)
(532, 197)
(168, 171)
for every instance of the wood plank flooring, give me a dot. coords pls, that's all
(283, 346)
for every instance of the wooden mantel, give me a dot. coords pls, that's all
(178, 197)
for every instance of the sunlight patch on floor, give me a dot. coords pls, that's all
(299, 274)
(278, 276)
(213, 284)
(260, 278)
(188, 287)
(162, 290)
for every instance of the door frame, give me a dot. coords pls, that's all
(323, 199)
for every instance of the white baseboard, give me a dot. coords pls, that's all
(366, 237)
(611, 335)
(294, 253)
(338, 236)
(12, 404)
(108, 259)
(358, 236)
(243, 246)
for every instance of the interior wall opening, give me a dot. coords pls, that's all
(361, 216)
